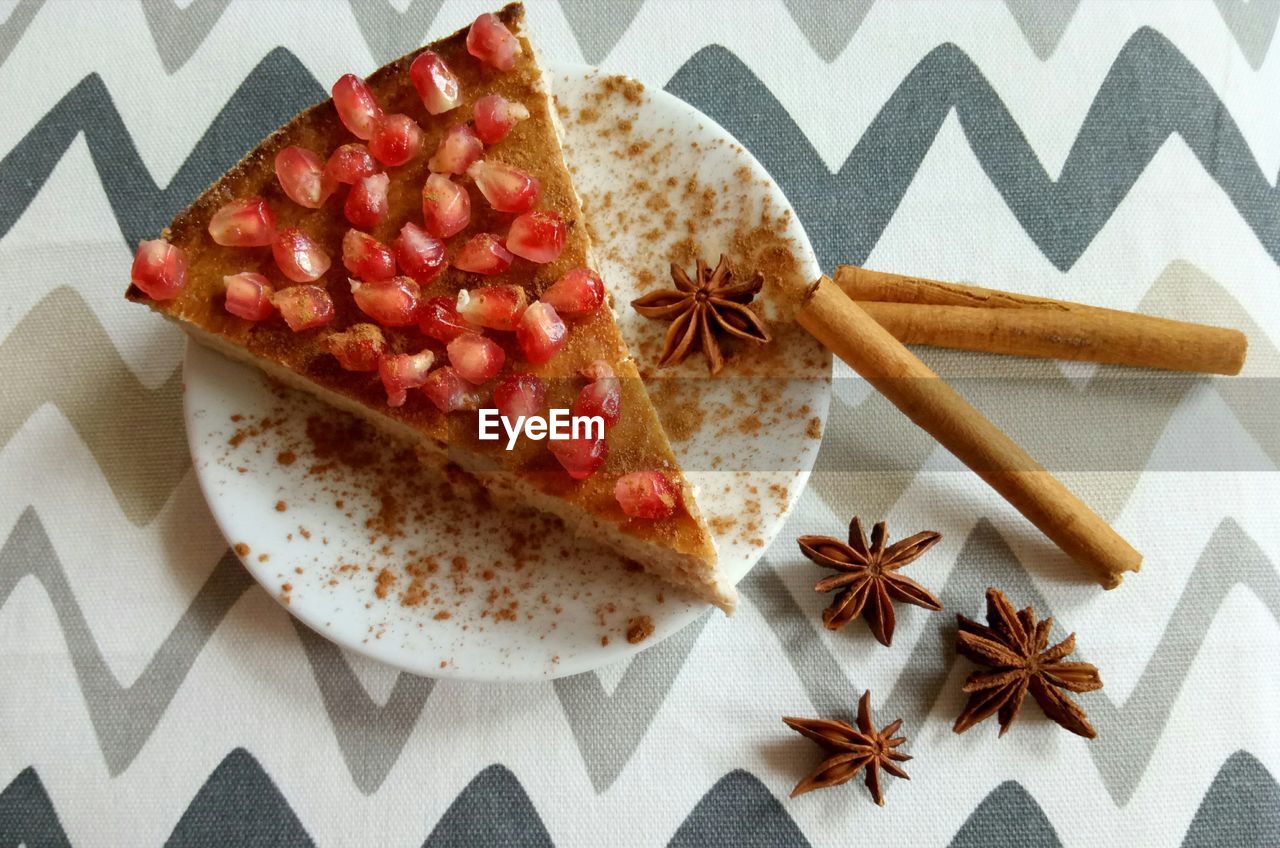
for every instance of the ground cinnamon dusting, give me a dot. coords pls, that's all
(241, 549)
(639, 629)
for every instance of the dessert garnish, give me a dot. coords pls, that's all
(701, 308)
(1013, 647)
(851, 750)
(869, 581)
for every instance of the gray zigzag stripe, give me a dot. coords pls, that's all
(1127, 735)
(1150, 93)
(123, 716)
(598, 26)
(389, 32)
(1043, 22)
(15, 26)
(370, 736)
(178, 32)
(239, 804)
(608, 728)
(1252, 24)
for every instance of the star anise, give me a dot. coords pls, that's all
(1013, 646)
(869, 580)
(851, 750)
(701, 308)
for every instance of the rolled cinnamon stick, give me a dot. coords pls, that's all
(921, 311)
(855, 336)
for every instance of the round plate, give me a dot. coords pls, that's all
(436, 582)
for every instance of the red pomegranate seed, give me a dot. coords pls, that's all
(366, 203)
(421, 256)
(495, 115)
(580, 457)
(491, 42)
(436, 84)
(458, 150)
(506, 188)
(537, 236)
(249, 296)
(438, 318)
(357, 107)
(402, 372)
(484, 253)
(448, 391)
(349, 163)
(396, 140)
(392, 303)
(519, 394)
(495, 307)
(541, 334)
(247, 222)
(298, 256)
(602, 397)
(366, 257)
(475, 358)
(301, 175)
(304, 307)
(577, 294)
(446, 206)
(159, 269)
(359, 348)
(646, 494)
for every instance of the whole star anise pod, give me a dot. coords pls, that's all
(869, 580)
(701, 308)
(1013, 646)
(851, 750)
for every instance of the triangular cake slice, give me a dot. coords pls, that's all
(457, 109)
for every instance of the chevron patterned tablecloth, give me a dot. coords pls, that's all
(1119, 153)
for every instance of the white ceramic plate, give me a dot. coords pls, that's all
(501, 595)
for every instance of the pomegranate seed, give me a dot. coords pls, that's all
(646, 494)
(366, 257)
(458, 150)
(495, 115)
(299, 257)
(541, 333)
(159, 269)
(392, 303)
(421, 256)
(602, 397)
(349, 163)
(249, 296)
(436, 84)
(396, 140)
(301, 175)
(491, 42)
(519, 394)
(446, 206)
(475, 358)
(247, 222)
(359, 348)
(577, 294)
(484, 253)
(304, 307)
(448, 391)
(366, 203)
(402, 372)
(506, 188)
(439, 319)
(495, 307)
(537, 236)
(580, 457)
(357, 107)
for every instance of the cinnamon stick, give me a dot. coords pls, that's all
(855, 336)
(929, 312)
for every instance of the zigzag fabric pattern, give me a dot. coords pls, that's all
(150, 693)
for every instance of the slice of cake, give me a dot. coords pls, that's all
(413, 251)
